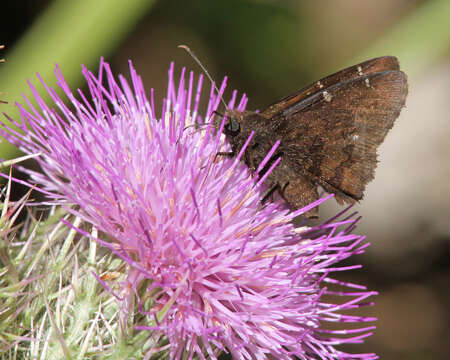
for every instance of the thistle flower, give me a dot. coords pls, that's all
(209, 267)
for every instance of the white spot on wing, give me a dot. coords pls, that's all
(360, 72)
(327, 96)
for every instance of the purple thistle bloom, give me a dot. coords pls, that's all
(219, 270)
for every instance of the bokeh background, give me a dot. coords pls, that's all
(269, 49)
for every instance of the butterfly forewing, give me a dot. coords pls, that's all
(380, 64)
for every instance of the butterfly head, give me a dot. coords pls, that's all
(233, 125)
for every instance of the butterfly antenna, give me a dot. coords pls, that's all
(190, 52)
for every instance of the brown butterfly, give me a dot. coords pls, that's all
(329, 132)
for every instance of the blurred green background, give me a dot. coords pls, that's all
(269, 49)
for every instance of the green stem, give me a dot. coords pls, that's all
(69, 33)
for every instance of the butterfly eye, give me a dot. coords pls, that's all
(232, 127)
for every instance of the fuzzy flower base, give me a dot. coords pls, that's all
(209, 268)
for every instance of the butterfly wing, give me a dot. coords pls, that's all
(381, 64)
(331, 137)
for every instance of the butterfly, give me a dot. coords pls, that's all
(329, 133)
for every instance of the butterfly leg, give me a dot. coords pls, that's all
(228, 154)
(270, 192)
(225, 153)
